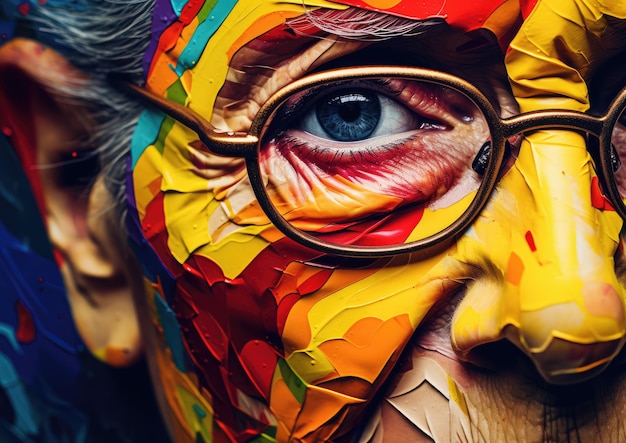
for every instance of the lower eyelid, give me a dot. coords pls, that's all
(427, 174)
(327, 154)
(319, 144)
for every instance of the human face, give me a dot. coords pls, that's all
(66, 312)
(260, 337)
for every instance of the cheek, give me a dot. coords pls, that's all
(191, 202)
(244, 307)
(357, 322)
(289, 304)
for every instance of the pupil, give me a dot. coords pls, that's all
(349, 116)
(350, 112)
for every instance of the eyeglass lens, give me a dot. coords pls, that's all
(374, 161)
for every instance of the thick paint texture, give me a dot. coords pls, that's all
(571, 253)
(265, 340)
(261, 339)
(554, 281)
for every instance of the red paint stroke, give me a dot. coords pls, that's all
(527, 7)
(530, 240)
(283, 309)
(25, 325)
(391, 229)
(259, 360)
(598, 200)
(24, 8)
(155, 233)
(315, 282)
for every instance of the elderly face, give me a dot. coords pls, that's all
(506, 334)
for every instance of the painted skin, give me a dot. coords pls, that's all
(261, 338)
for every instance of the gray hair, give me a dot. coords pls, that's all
(102, 38)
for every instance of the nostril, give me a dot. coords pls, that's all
(570, 329)
(563, 362)
(573, 341)
(501, 355)
(560, 363)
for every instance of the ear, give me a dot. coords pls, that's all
(50, 134)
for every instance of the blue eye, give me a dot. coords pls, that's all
(356, 114)
(350, 116)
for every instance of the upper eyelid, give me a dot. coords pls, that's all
(307, 99)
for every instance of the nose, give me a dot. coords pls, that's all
(547, 243)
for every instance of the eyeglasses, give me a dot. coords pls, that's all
(379, 161)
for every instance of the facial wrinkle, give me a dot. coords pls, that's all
(575, 414)
(256, 86)
(277, 58)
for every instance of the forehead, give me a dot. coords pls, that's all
(194, 42)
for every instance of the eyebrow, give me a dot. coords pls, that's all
(359, 24)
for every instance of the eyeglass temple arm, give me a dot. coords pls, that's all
(234, 144)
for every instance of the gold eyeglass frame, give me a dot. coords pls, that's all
(247, 145)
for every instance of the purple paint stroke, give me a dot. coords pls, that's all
(162, 18)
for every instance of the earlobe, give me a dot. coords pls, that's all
(50, 132)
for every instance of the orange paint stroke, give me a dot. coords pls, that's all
(284, 405)
(515, 269)
(174, 40)
(368, 346)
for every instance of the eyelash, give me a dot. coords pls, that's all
(295, 107)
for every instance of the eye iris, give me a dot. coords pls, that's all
(349, 117)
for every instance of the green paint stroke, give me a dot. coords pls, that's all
(296, 385)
